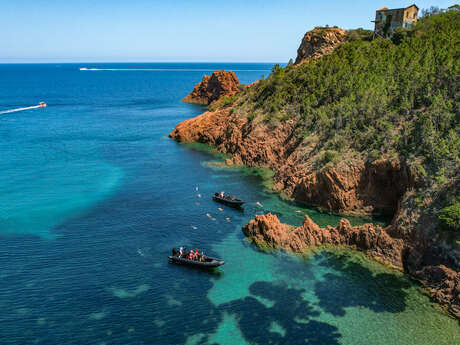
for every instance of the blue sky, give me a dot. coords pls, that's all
(192, 30)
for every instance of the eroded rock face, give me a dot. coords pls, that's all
(211, 88)
(416, 258)
(360, 187)
(319, 42)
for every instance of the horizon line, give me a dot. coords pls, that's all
(131, 62)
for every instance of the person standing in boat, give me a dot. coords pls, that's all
(222, 194)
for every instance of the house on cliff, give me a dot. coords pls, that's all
(387, 20)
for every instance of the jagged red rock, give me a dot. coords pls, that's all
(267, 230)
(212, 88)
(319, 42)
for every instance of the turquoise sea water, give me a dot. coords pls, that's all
(93, 195)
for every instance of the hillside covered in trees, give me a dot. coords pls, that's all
(377, 99)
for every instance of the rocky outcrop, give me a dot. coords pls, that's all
(355, 187)
(444, 285)
(211, 88)
(443, 282)
(319, 42)
(266, 230)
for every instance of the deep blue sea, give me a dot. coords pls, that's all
(93, 196)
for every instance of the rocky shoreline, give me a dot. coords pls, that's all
(351, 185)
(354, 187)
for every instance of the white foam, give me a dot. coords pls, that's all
(167, 69)
(19, 109)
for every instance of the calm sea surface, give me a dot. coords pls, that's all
(93, 195)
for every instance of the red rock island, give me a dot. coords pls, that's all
(212, 88)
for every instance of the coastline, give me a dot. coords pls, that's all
(415, 248)
(258, 145)
(340, 135)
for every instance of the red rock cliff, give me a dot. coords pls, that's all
(347, 187)
(319, 42)
(211, 88)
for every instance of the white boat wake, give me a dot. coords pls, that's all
(41, 105)
(166, 69)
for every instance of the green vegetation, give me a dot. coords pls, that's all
(359, 35)
(449, 218)
(384, 98)
(223, 102)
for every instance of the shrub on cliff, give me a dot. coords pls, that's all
(449, 217)
(359, 35)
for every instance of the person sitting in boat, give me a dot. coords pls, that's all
(222, 194)
(202, 256)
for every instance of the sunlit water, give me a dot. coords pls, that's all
(93, 195)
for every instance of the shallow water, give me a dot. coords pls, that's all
(94, 195)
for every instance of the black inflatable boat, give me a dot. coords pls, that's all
(228, 200)
(206, 262)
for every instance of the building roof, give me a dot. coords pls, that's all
(411, 6)
(395, 9)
